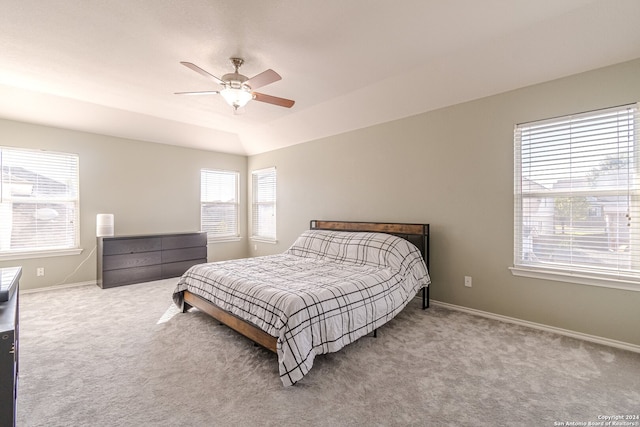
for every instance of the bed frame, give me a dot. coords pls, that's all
(418, 234)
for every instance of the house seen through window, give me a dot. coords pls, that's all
(219, 204)
(39, 203)
(577, 199)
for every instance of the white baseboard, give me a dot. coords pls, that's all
(55, 287)
(566, 332)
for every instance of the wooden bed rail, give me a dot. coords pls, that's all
(245, 328)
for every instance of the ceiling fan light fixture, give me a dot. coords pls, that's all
(237, 98)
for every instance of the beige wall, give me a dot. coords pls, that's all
(150, 188)
(453, 168)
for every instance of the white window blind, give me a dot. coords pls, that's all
(39, 204)
(263, 215)
(219, 204)
(577, 204)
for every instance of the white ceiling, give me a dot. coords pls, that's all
(111, 66)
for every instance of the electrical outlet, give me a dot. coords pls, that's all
(467, 281)
(40, 271)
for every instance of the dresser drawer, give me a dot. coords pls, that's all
(129, 276)
(184, 241)
(131, 245)
(177, 269)
(142, 259)
(174, 255)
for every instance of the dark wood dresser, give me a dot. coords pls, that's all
(9, 278)
(123, 260)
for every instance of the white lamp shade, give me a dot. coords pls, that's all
(104, 225)
(237, 98)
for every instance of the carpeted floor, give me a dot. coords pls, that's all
(125, 357)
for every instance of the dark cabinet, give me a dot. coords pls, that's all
(9, 278)
(123, 260)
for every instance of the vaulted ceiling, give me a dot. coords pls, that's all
(112, 67)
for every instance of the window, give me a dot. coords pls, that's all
(219, 204)
(263, 212)
(577, 204)
(39, 204)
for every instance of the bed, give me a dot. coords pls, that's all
(339, 281)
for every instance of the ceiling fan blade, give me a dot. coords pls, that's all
(282, 102)
(199, 70)
(203, 92)
(264, 78)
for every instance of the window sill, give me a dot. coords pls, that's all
(581, 279)
(264, 240)
(40, 254)
(224, 240)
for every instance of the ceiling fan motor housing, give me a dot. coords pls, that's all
(235, 81)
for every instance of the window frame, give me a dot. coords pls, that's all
(265, 173)
(224, 237)
(44, 157)
(593, 275)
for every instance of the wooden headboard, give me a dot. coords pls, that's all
(418, 234)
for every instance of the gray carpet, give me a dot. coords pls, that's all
(115, 357)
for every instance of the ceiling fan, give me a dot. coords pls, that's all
(237, 89)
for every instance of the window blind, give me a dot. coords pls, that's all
(263, 217)
(219, 204)
(577, 205)
(39, 203)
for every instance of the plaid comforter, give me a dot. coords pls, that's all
(329, 289)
